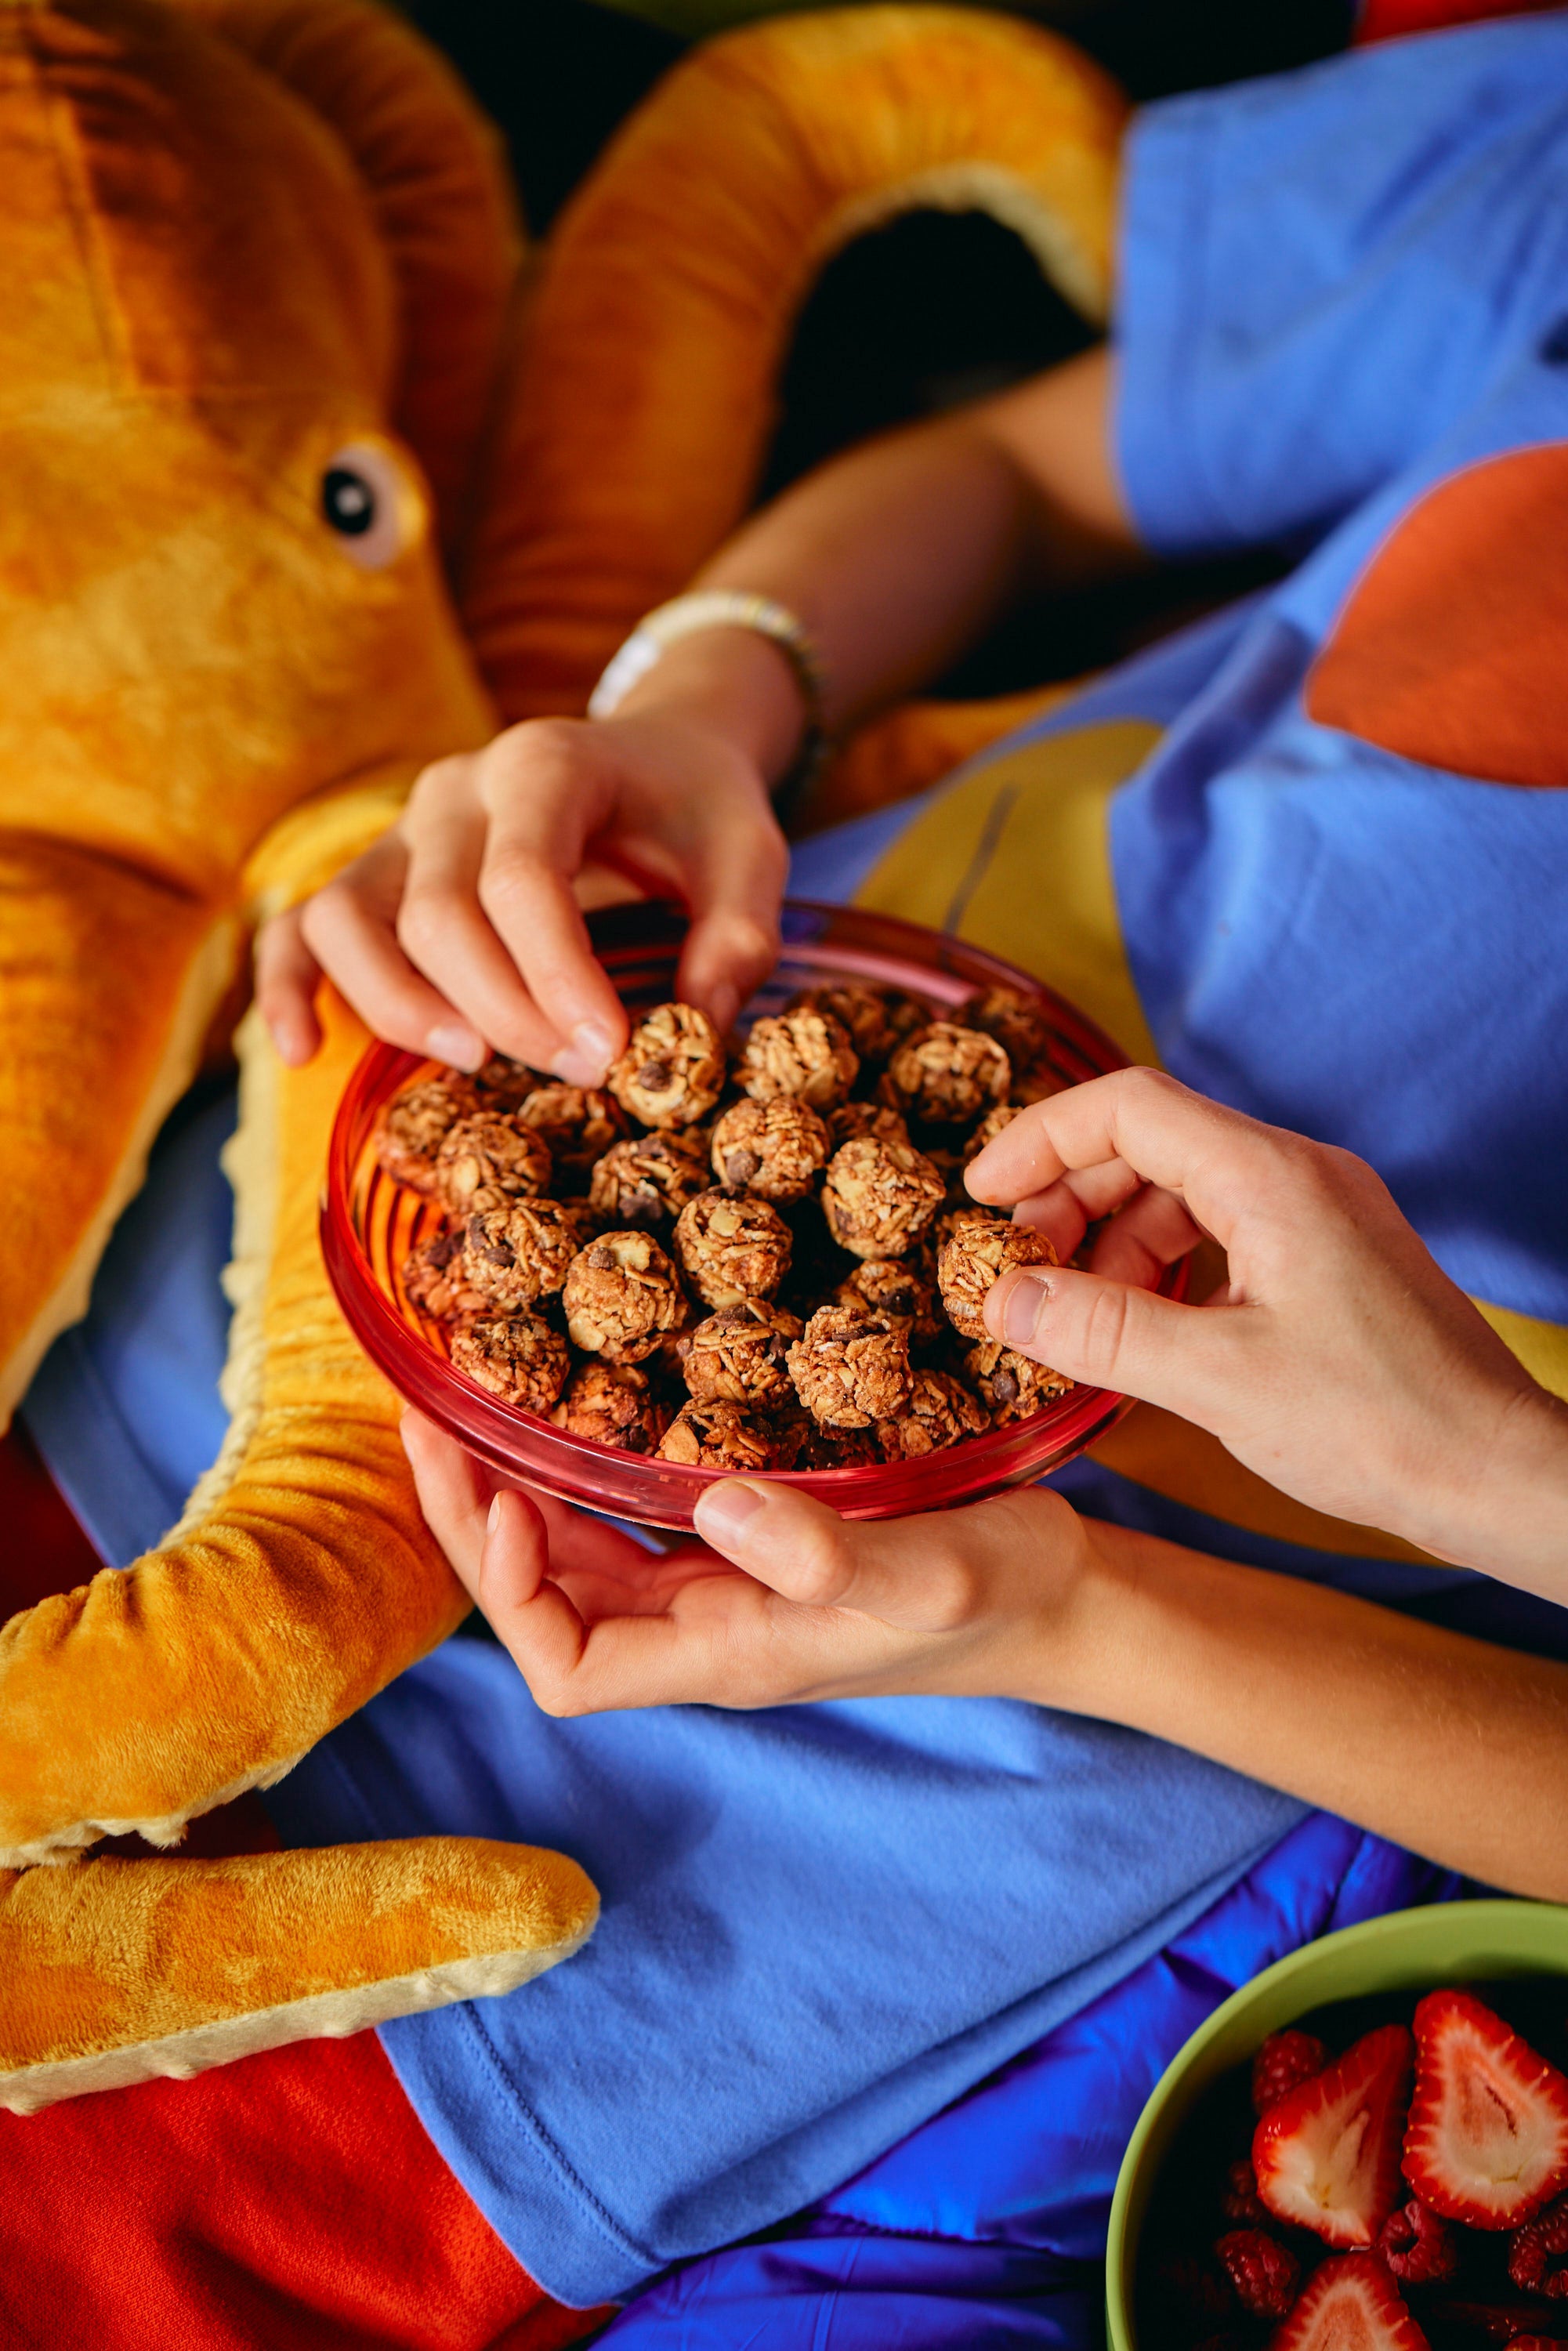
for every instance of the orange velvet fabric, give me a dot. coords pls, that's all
(1452, 649)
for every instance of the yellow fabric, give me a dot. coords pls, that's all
(1541, 1347)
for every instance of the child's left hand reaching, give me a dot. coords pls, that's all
(785, 1601)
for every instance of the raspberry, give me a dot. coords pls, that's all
(1238, 2199)
(1193, 2289)
(1264, 2274)
(1418, 2246)
(1532, 2248)
(1285, 2060)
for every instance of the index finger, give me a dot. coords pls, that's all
(1219, 1161)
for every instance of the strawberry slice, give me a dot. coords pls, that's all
(1488, 2141)
(1351, 2304)
(1327, 2155)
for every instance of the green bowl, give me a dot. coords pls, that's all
(1453, 1942)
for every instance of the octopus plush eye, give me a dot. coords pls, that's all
(367, 504)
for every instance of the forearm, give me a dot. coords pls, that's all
(899, 555)
(1452, 1746)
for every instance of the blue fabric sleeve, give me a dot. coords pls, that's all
(1320, 273)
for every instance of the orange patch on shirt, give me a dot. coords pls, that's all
(1453, 649)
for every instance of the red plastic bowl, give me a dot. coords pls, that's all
(368, 1226)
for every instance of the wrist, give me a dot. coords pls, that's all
(1507, 1513)
(1072, 1650)
(736, 684)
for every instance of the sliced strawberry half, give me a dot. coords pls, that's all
(1327, 2156)
(1351, 2303)
(1487, 2139)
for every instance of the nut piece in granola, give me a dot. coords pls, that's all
(719, 1437)
(975, 1254)
(489, 1158)
(621, 1297)
(648, 1179)
(1018, 1023)
(948, 1076)
(851, 1369)
(903, 1288)
(878, 1019)
(775, 1148)
(940, 1412)
(433, 1280)
(672, 1072)
(739, 1356)
(612, 1403)
(879, 1197)
(805, 1053)
(577, 1126)
(518, 1357)
(990, 1126)
(518, 1252)
(851, 1120)
(417, 1125)
(1012, 1385)
(732, 1247)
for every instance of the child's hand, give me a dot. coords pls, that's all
(458, 933)
(1340, 1362)
(997, 1599)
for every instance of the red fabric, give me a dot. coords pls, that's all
(1383, 20)
(290, 2202)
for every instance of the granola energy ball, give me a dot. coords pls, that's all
(577, 1126)
(1010, 1383)
(1018, 1022)
(851, 1120)
(649, 1177)
(433, 1280)
(417, 1125)
(739, 1356)
(878, 1019)
(731, 1246)
(990, 1126)
(719, 1437)
(672, 1072)
(879, 1197)
(622, 1296)
(899, 1288)
(517, 1356)
(975, 1255)
(501, 1084)
(488, 1159)
(940, 1412)
(615, 1404)
(520, 1252)
(805, 1053)
(824, 1447)
(948, 1076)
(851, 1369)
(1036, 1084)
(775, 1148)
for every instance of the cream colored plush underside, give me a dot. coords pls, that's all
(72, 1844)
(333, 2014)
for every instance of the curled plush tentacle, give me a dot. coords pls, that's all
(669, 288)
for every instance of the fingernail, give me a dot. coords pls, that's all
(585, 1060)
(493, 1516)
(724, 1510)
(455, 1044)
(1022, 1308)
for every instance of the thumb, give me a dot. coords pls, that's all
(1112, 1334)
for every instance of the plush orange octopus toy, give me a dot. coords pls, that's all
(314, 478)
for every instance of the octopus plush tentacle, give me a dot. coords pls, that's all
(126, 1970)
(668, 289)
